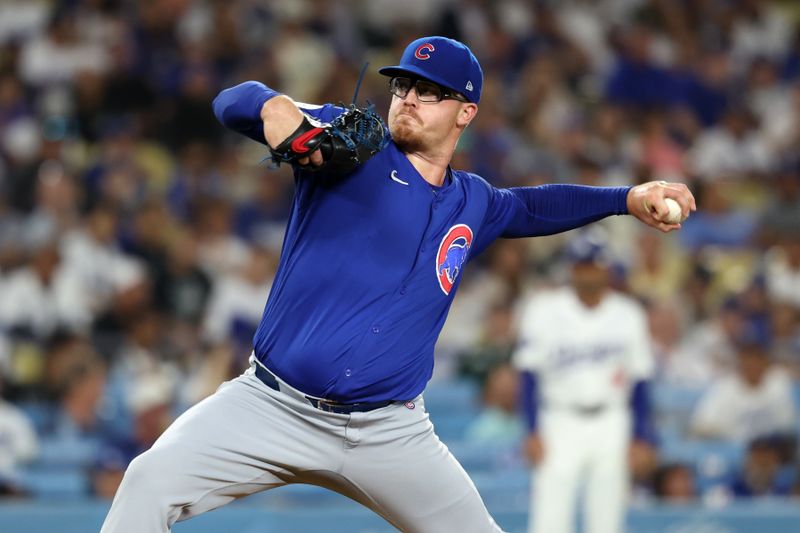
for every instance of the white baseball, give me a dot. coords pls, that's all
(675, 215)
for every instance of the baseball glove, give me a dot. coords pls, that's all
(351, 139)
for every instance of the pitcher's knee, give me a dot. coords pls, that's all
(150, 473)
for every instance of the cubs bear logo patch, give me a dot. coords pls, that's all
(452, 254)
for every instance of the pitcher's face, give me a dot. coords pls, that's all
(418, 126)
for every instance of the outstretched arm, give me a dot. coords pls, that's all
(264, 115)
(549, 209)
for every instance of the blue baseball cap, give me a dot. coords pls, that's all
(590, 246)
(444, 61)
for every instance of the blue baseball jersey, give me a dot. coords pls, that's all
(371, 261)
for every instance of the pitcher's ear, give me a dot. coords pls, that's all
(466, 114)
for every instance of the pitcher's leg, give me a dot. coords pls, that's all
(234, 443)
(412, 479)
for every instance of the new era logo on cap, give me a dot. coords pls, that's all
(441, 60)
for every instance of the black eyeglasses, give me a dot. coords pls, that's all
(427, 91)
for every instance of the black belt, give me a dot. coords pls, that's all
(589, 410)
(328, 406)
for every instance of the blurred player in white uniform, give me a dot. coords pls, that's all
(585, 357)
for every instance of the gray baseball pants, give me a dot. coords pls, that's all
(247, 438)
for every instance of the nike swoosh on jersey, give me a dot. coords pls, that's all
(394, 177)
(299, 145)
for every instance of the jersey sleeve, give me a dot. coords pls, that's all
(529, 354)
(547, 209)
(239, 108)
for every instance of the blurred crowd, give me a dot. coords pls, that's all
(138, 239)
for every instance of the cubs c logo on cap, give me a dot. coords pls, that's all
(424, 51)
(452, 254)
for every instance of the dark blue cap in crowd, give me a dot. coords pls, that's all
(589, 247)
(755, 335)
(444, 61)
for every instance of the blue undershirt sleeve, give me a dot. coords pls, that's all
(529, 398)
(239, 108)
(640, 405)
(548, 209)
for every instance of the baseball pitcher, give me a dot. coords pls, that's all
(380, 230)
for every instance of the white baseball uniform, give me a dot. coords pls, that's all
(586, 360)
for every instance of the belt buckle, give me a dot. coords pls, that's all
(327, 406)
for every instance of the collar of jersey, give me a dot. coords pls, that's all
(450, 177)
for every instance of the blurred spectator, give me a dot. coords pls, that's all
(499, 421)
(261, 219)
(733, 150)
(56, 210)
(192, 119)
(774, 103)
(140, 358)
(718, 222)
(706, 351)
(11, 245)
(781, 218)
(674, 483)
(495, 345)
(22, 18)
(708, 91)
(303, 62)
(666, 331)
(117, 176)
(764, 472)
(760, 29)
(147, 235)
(195, 182)
(72, 433)
(18, 444)
(13, 104)
(150, 404)
(637, 80)
(61, 54)
(43, 296)
(219, 252)
(659, 267)
(92, 252)
(545, 104)
(783, 268)
(182, 288)
(754, 400)
(237, 303)
(785, 327)
(658, 152)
